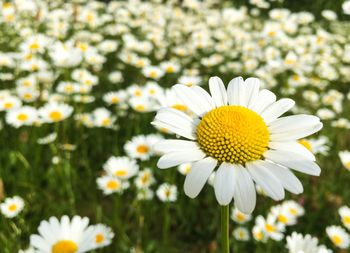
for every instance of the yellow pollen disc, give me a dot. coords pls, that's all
(336, 239)
(346, 219)
(142, 149)
(233, 134)
(283, 219)
(347, 165)
(99, 238)
(22, 117)
(8, 105)
(115, 100)
(112, 185)
(270, 228)
(120, 173)
(305, 143)
(56, 115)
(64, 246)
(12, 207)
(240, 216)
(106, 122)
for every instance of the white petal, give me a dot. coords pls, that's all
(252, 90)
(175, 158)
(198, 176)
(262, 101)
(288, 180)
(218, 91)
(293, 161)
(244, 194)
(166, 146)
(276, 109)
(205, 96)
(266, 180)
(184, 132)
(296, 134)
(192, 99)
(233, 91)
(292, 123)
(224, 183)
(293, 147)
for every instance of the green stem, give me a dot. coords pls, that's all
(225, 244)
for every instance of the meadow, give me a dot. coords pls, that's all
(81, 83)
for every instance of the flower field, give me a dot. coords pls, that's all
(173, 126)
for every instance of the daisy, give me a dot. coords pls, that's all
(65, 235)
(103, 118)
(55, 112)
(102, 235)
(109, 184)
(167, 192)
(9, 103)
(144, 179)
(24, 116)
(122, 167)
(240, 217)
(139, 148)
(259, 234)
(338, 236)
(283, 215)
(345, 159)
(316, 146)
(11, 207)
(297, 243)
(184, 168)
(240, 131)
(241, 234)
(152, 72)
(115, 97)
(344, 213)
(271, 227)
(293, 208)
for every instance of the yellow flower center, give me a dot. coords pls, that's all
(346, 220)
(347, 165)
(64, 246)
(283, 219)
(336, 239)
(8, 105)
(305, 143)
(115, 100)
(293, 211)
(240, 217)
(270, 228)
(233, 134)
(99, 238)
(12, 207)
(56, 115)
(112, 185)
(153, 74)
(120, 173)
(142, 149)
(22, 117)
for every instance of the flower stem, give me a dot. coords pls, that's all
(225, 244)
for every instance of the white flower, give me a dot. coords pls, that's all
(338, 236)
(102, 235)
(240, 217)
(241, 131)
(110, 184)
(11, 207)
(24, 116)
(345, 158)
(344, 213)
(121, 167)
(271, 228)
(55, 112)
(167, 192)
(297, 243)
(241, 234)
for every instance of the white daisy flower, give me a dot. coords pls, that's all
(167, 192)
(293, 208)
(55, 112)
(24, 116)
(122, 167)
(184, 168)
(345, 158)
(344, 213)
(297, 243)
(259, 234)
(338, 236)
(241, 234)
(271, 227)
(240, 131)
(110, 184)
(139, 148)
(240, 217)
(11, 207)
(65, 235)
(102, 235)
(9, 103)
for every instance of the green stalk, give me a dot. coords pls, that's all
(225, 244)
